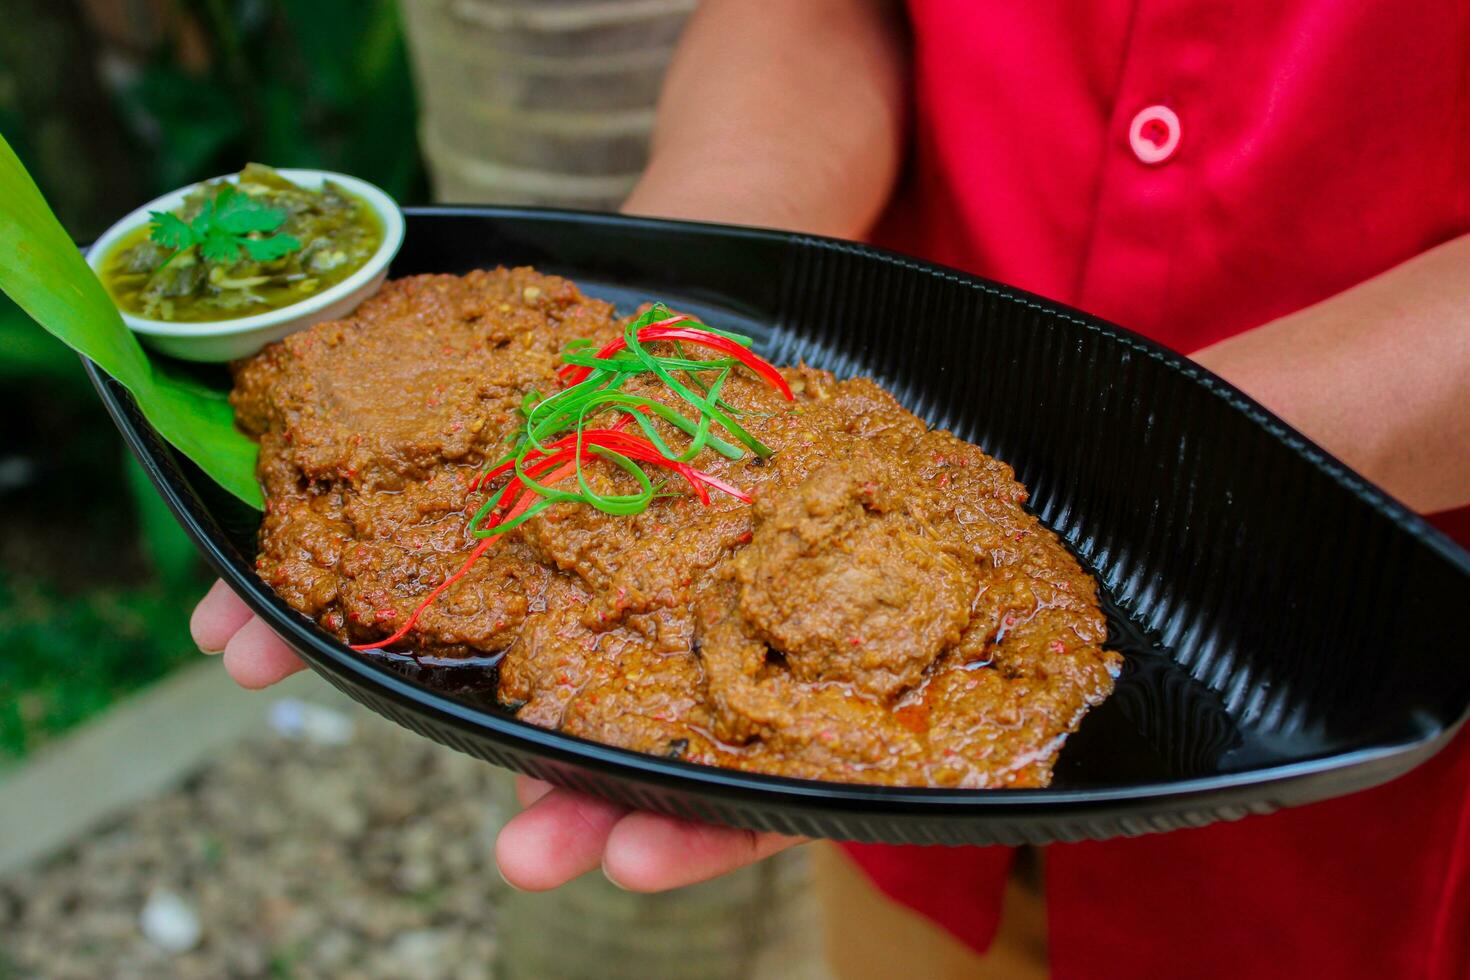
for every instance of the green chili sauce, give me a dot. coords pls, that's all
(337, 233)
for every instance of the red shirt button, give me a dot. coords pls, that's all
(1154, 134)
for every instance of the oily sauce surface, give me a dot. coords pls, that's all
(885, 612)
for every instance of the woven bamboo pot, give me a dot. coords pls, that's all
(539, 101)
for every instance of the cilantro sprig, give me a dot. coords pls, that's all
(222, 228)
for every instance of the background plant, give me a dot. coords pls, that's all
(109, 103)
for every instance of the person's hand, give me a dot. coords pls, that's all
(254, 655)
(561, 834)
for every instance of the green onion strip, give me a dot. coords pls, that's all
(570, 410)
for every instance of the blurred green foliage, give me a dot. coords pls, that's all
(33, 355)
(292, 83)
(96, 579)
(83, 651)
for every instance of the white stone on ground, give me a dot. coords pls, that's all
(315, 723)
(169, 922)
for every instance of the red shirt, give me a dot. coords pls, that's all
(1192, 170)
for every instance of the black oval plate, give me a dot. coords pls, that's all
(1291, 633)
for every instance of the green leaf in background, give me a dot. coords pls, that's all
(42, 270)
(198, 119)
(31, 352)
(71, 655)
(165, 545)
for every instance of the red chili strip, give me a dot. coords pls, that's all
(640, 448)
(521, 504)
(703, 338)
(666, 330)
(402, 631)
(534, 469)
(635, 447)
(723, 487)
(485, 477)
(575, 373)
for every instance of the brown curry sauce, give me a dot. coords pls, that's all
(885, 612)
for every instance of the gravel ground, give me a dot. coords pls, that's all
(287, 858)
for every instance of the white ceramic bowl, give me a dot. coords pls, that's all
(226, 340)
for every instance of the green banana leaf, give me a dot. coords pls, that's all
(44, 273)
